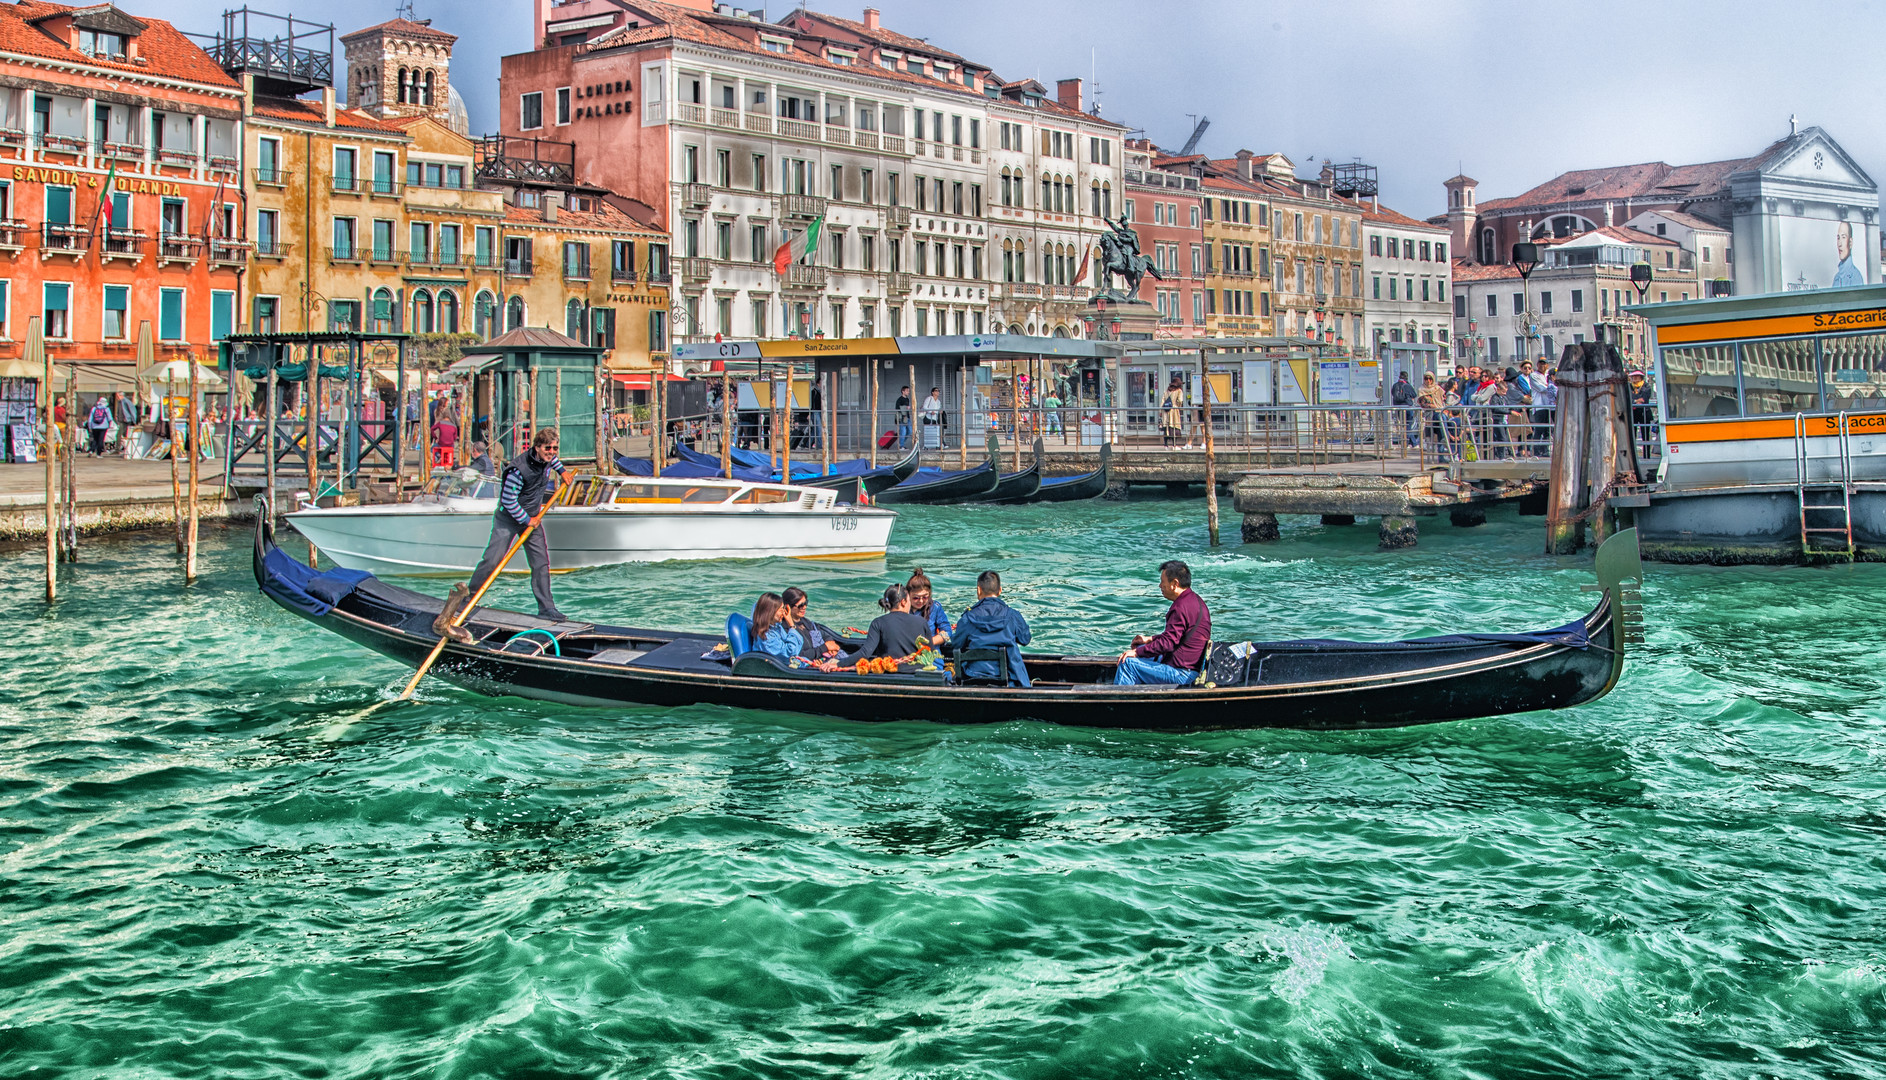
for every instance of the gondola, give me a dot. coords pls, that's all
(846, 477)
(1081, 486)
(1013, 487)
(936, 486)
(1283, 684)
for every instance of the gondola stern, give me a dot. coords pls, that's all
(1620, 571)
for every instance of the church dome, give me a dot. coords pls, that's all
(457, 117)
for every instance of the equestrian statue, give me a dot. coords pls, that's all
(1119, 254)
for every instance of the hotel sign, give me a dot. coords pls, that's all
(130, 185)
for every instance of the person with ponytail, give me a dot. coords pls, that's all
(923, 605)
(896, 633)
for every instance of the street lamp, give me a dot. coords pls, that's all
(1640, 279)
(1526, 260)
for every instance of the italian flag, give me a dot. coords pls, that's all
(799, 248)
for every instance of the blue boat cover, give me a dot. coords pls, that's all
(303, 589)
(634, 466)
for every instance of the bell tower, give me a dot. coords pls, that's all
(400, 68)
(1462, 215)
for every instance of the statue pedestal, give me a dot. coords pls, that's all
(1110, 318)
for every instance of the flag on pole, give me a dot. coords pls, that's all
(801, 247)
(104, 200)
(1081, 274)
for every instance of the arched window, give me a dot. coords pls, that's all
(573, 319)
(382, 310)
(514, 313)
(428, 95)
(402, 86)
(1093, 197)
(485, 315)
(448, 313)
(1060, 331)
(1015, 328)
(1106, 201)
(1486, 247)
(422, 311)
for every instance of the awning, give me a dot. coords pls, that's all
(639, 380)
(473, 363)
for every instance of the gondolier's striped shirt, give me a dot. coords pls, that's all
(512, 489)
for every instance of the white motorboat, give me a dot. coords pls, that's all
(600, 521)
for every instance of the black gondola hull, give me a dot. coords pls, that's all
(1365, 687)
(1077, 488)
(950, 489)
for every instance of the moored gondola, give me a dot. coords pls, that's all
(1013, 487)
(1314, 684)
(934, 486)
(1090, 485)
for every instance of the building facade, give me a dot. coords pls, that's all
(1406, 280)
(1164, 206)
(1800, 214)
(1316, 257)
(946, 200)
(119, 185)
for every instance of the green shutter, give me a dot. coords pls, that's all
(170, 315)
(222, 314)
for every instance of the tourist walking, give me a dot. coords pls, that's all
(1402, 395)
(98, 425)
(1172, 411)
(900, 415)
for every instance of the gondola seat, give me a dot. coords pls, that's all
(966, 657)
(739, 634)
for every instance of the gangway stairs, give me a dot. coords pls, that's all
(1826, 508)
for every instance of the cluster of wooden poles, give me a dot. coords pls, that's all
(62, 530)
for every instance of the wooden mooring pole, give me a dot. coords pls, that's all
(196, 457)
(871, 426)
(1211, 453)
(35, 341)
(726, 421)
(1586, 444)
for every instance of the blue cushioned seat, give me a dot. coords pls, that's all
(739, 634)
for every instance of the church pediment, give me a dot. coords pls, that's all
(1818, 159)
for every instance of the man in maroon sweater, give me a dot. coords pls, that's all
(1174, 657)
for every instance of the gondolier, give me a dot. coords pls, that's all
(527, 484)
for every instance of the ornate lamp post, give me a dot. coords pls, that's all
(1526, 260)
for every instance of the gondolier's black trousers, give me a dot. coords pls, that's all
(504, 530)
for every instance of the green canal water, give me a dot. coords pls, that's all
(1685, 879)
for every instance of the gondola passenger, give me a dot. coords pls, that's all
(773, 630)
(896, 633)
(992, 624)
(923, 605)
(820, 640)
(1174, 657)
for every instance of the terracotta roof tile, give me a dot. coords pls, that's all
(882, 36)
(405, 28)
(314, 114)
(1466, 272)
(602, 217)
(1383, 215)
(163, 50)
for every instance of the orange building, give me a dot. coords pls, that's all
(120, 185)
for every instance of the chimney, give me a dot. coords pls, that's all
(1327, 176)
(248, 93)
(1068, 93)
(327, 104)
(870, 18)
(552, 201)
(1607, 213)
(1244, 164)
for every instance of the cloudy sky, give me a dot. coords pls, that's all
(1512, 91)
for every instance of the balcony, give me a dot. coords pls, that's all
(270, 178)
(385, 256)
(120, 151)
(63, 238)
(345, 253)
(220, 164)
(60, 144)
(384, 187)
(695, 270)
(482, 260)
(897, 283)
(726, 118)
(185, 159)
(956, 153)
(227, 252)
(511, 158)
(690, 113)
(799, 129)
(802, 277)
(517, 267)
(576, 274)
(760, 123)
(12, 137)
(897, 217)
(837, 135)
(10, 239)
(660, 277)
(865, 140)
(1022, 290)
(122, 244)
(696, 194)
(348, 185)
(175, 247)
(893, 144)
(809, 207)
(621, 275)
(272, 249)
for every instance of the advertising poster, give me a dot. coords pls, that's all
(1818, 254)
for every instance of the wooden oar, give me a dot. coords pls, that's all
(335, 731)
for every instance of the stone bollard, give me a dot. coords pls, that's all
(1397, 532)
(1259, 528)
(1467, 517)
(1339, 519)
(1116, 492)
